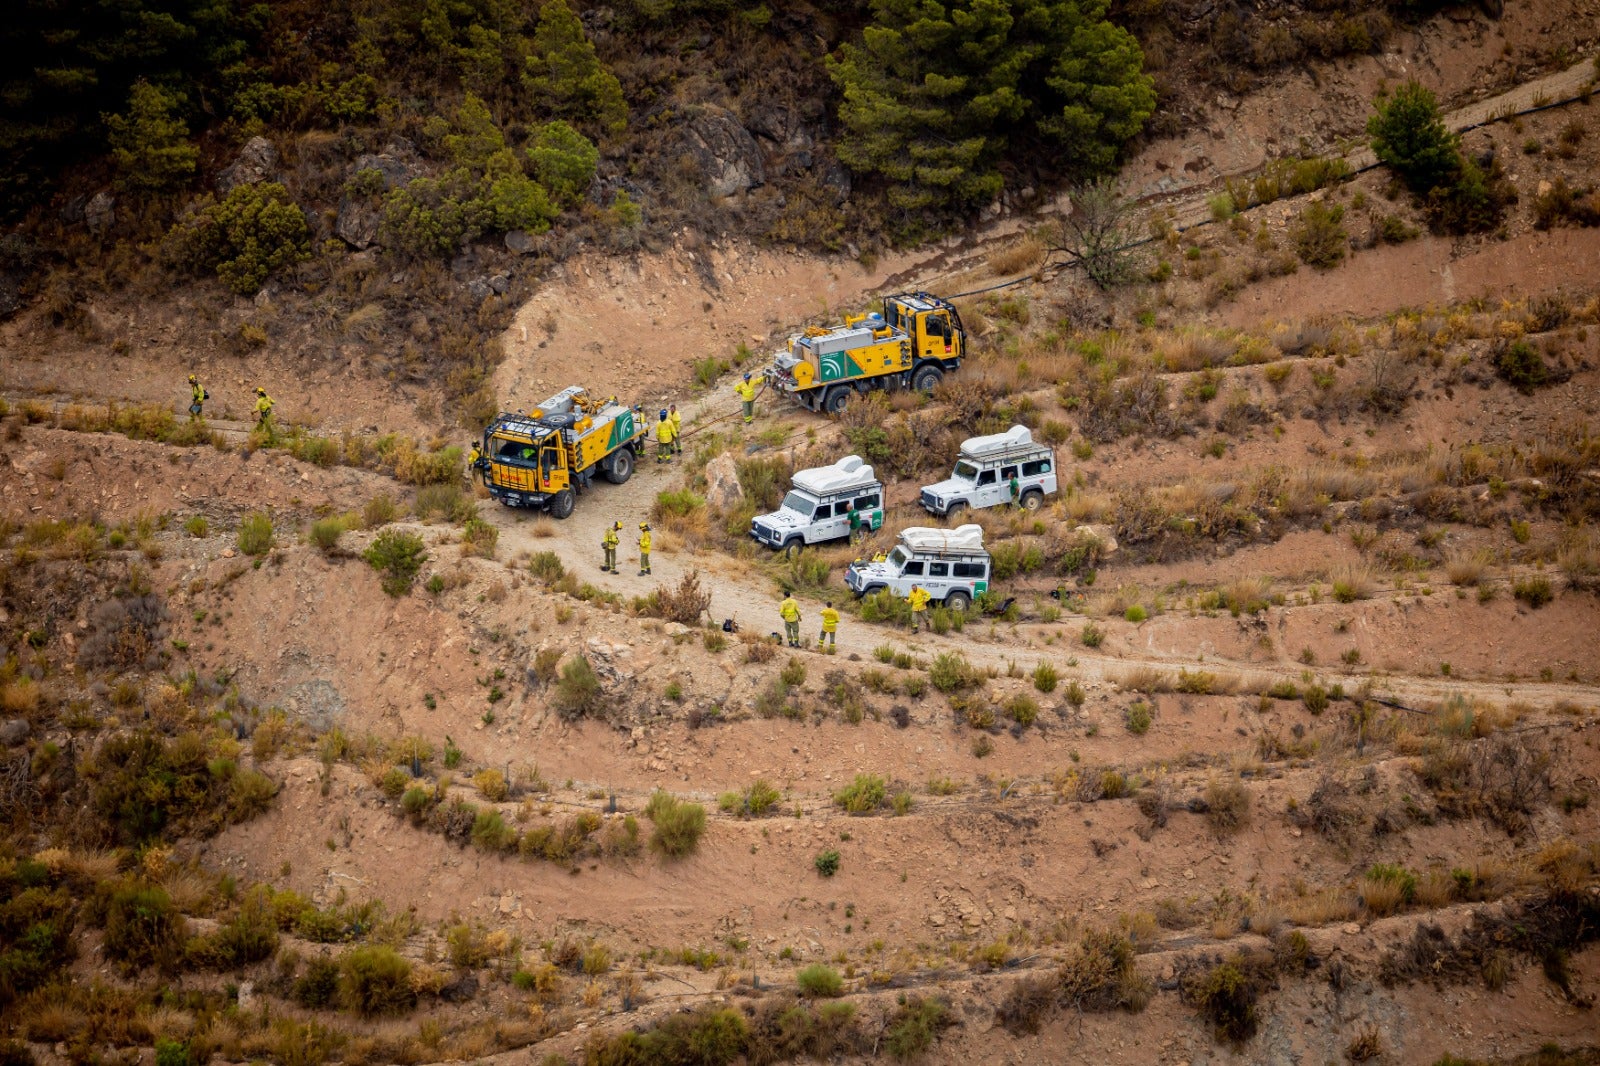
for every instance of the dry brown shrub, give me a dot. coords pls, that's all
(1024, 255)
(685, 602)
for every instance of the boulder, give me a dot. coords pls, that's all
(397, 163)
(1104, 534)
(358, 220)
(13, 731)
(724, 152)
(254, 164)
(723, 490)
(521, 242)
(100, 213)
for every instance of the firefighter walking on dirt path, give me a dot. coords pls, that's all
(747, 397)
(789, 611)
(263, 409)
(197, 396)
(644, 548)
(830, 629)
(918, 598)
(608, 544)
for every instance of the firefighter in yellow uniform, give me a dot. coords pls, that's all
(677, 429)
(747, 396)
(197, 396)
(830, 629)
(918, 598)
(789, 611)
(263, 408)
(663, 439)
(608, 544)
(644, 548)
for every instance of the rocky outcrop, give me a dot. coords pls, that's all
(255, 163)
(724, 151)
(361, 214)
(723, 490)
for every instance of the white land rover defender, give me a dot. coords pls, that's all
(818, 507)
(950, 563)
(985, 469)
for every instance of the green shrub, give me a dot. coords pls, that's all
(1319, 239)
(255, 533)
(1521, 366)
(143, 928)
(254, 232)
(547, 567)
(914, 1027)
(863, 795)
(676, 503)
(36, 932)
(416, 801)
(479, 538)
(827, 863)
(1092, 635)
(678, 824)
(1535, 590)
(819, 982)
(318, 986)
(196, 526)
(375, 980)
(397, 555)
(1138, 719)
(579, 693)
(1226, 997)
(325, 533)
(951, 672)
(379, 511)
(490, 832)
(1408, 133)
(249, 936)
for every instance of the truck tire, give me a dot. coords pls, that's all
(926, 377)
(955, 510)
(792, 547)
(870, 590)
(561, 503)
(619, 467)
(837, 399)
(957, 601)
(1032, 500)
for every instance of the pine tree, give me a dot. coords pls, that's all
(1408, 133)
(150, 144)
(566, 77)
(564, 161)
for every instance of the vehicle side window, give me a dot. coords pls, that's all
(867, 503)
(986, 478)
(1038, 466)
(938, 326)
(1008, 472)
(969, 569)
(824, 510)
(912, 569)
(938, 569)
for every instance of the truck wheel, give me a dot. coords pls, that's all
(955, 510)
(957, 601)
(837, 399)
(926, 378)
(870, 590)
(562, 502)
(792, 546)
(620, 468)
(1032, 500)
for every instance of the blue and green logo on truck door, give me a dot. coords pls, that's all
(833, 366)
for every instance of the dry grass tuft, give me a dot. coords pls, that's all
(1465, 568)
(1024, 255)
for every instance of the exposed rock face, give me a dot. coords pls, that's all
(100, 213)
(255, 163)
(724, 151)
(723, 490)
(360, 216)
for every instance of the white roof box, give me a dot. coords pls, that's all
(847, 473)
(967, 538)
(999, 443)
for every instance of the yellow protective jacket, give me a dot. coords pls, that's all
(263, 405)
(790, 610)
(830, 620)
(609, 540)
(199, 393)
(919, 598)
(664, 432)
(644, 541)
(746, 390)
(677, 424)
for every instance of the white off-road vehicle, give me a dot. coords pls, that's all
(818, 507)
(986, 468)
(950, 563)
